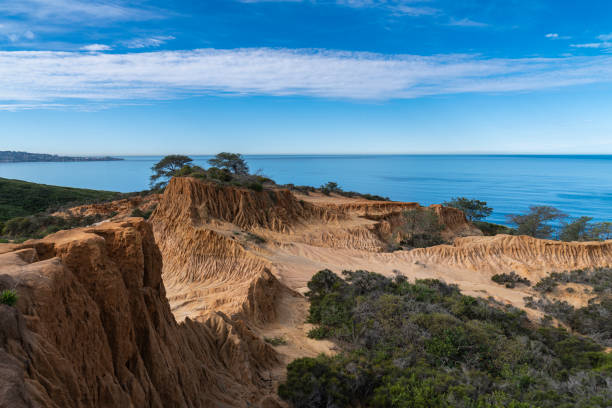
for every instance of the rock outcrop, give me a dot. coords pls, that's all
(93, 328)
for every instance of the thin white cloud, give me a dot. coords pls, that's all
(605, 37)
(96, 47)
(552, 35)
(593, 45)
(149, 42)
(86, 11)
(466, 22)
(399, 7)
(44, 77)
(604, 43)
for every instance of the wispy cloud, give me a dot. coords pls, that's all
(54, 11)
(149, 42)
(556, 36)
(96, 47)
(593, 45)
(413, 8)
(466, 22)
(603, 43)
(605, 37)
(31, 77)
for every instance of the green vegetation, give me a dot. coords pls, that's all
(474, 210)
(139, 213)
(333, 187)
(538, 222)
(8, 297)
(257, 239)
(592, 320)
(41, 225)
(232, 162)
(424, 344)
(276, 341)
(510, 280)
(167, 168)
(490, 229)
(21, 198)
(582, 229)
(420, 228)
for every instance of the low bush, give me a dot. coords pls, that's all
(8, 297)
(510, 280)
(39, 226)
(276, 341)
(255, 238)
(424, 344)
(490, 229)
(137, 212)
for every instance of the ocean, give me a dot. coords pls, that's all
(577, 185)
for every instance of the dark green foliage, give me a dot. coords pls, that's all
(576, 230)
(424, 344)
(20, 198)
(420, 228)
(232, 162)
(490, 229)
(474, 210)
(537, 222)
(510, 279)
(330, 187)
(222, 175)
(255, 186)
(582, 229)
(167, 168)
(8, 297)
(139, 213)
(38, 226)
(255, 238)
(313, 382)
(276, 341)
(594, 319)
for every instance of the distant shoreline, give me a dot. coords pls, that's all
(25, 157)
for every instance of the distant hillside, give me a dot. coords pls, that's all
(14, 157)
(20, 198)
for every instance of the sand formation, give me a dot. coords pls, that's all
(173, 311)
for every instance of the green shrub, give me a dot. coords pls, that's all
(490, 229)
(250, 236)
(419, 228)
(276, 340)
(137, 212)
(510, 279)
(424, 344)
(255, 186)
(8, 297)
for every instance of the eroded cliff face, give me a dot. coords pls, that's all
(531, 257)
(93, 327)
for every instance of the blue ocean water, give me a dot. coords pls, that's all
(578, 185)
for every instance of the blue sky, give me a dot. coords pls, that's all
(310, 76)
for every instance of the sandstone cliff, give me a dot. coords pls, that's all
(93, 328)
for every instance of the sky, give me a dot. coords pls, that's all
(151, 77)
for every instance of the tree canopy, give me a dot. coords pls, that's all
(538, 222)
(166, 168)
(233, 162)
(474, 210)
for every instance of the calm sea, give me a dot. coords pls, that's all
(578, 185)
